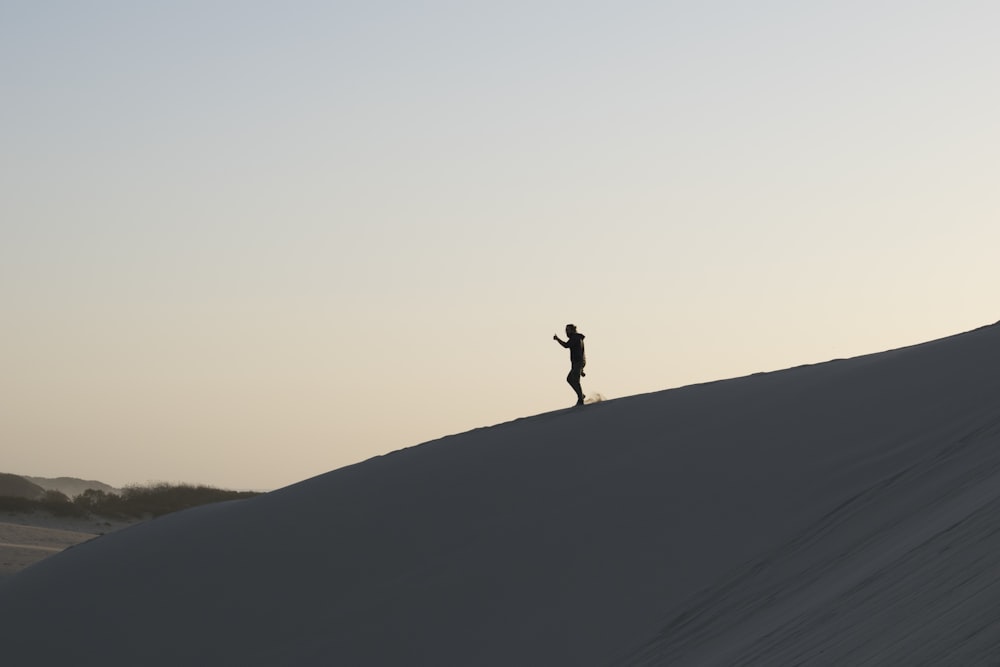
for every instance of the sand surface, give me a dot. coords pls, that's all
(26, 539)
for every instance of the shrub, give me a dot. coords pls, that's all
(58, 503)
(134, 502)
(160, 499)
(17, 504)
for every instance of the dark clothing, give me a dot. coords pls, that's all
(575, 345)
(578, 359)
(574, 380)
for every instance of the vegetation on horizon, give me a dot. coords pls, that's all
(134, 502)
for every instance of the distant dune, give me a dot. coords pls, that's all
(71, 486)
(15, 486)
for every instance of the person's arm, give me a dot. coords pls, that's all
(556, 339)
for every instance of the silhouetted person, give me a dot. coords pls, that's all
(577, 359)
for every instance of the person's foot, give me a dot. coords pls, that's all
(579, 402)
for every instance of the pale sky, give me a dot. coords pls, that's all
(245, 243)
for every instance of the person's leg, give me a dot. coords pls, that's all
(574, 381)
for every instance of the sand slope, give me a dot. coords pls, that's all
(27, 538)
(830, 514)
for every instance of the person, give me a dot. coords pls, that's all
(577, 359)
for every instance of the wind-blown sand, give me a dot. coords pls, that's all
(836, 514)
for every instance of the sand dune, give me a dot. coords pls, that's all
(832, 514)
(26, 539)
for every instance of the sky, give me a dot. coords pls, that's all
(245, 243)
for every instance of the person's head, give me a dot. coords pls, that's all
(570, 329)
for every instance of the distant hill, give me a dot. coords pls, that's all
(71, 486)
(14, 486)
